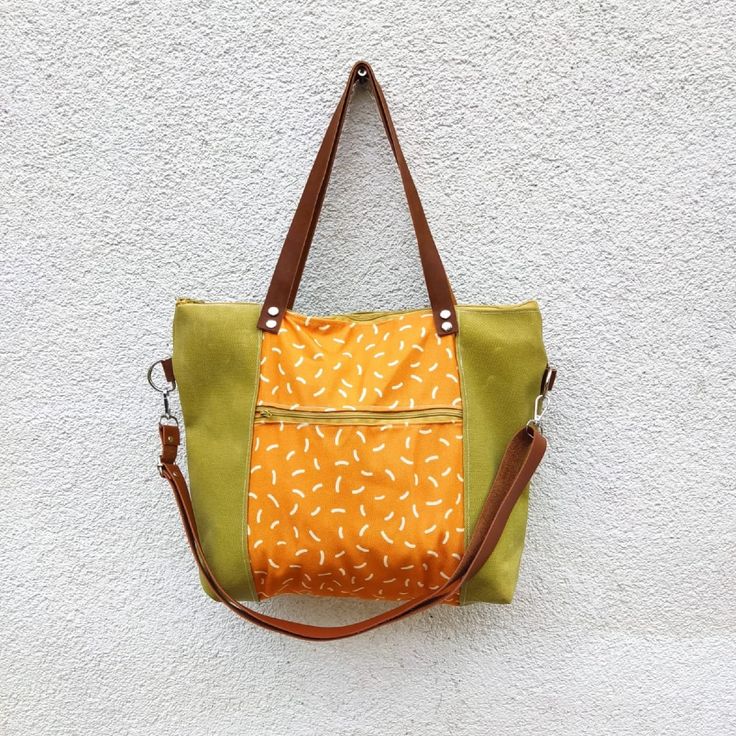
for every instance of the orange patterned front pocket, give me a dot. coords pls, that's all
(356, 486)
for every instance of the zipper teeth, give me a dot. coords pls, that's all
(385, 416)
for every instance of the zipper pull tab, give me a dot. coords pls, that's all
(265, 413)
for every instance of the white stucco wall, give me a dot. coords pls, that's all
(579, 153)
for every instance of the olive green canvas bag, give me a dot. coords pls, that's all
(382, 455)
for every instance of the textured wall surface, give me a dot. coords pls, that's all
(580, 153)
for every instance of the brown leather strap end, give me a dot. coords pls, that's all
(167, 365)
(170, 438)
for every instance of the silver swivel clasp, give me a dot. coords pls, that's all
(167, 417)
(541, 403)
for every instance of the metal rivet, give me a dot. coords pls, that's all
(271, 323)
(445, 314)
(273, 311)
(446, 326)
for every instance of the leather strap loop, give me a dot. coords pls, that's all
(521, 458)
(290, 265)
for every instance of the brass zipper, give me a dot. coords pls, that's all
(349, 416)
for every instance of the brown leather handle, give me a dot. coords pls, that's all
(521, 458)
(290, 265)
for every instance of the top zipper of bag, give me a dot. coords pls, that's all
(387, 416)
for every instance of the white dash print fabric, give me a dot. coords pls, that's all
(356, 483)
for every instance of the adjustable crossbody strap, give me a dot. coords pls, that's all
(521, 458)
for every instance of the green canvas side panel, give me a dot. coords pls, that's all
(501, 358)
(216, 356)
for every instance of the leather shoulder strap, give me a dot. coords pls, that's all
(290, 265)
(521, 458)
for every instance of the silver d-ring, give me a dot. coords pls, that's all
(168, 420)
(171, 385)
(550, 374)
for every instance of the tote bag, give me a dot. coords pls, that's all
(382, 455)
